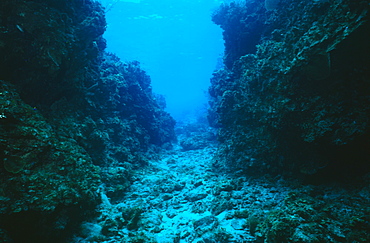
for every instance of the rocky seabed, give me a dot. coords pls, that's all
(181, 198)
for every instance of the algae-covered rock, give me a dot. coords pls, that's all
(312, 218)
(43, 176)
(69, 113)
(294, 100)
(196, 133)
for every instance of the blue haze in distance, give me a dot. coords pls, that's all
(176, 43)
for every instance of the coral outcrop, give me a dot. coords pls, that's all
(293, 97)
(196, 133)
(74, 120)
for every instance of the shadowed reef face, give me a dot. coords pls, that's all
(72, 117)
(293, 98)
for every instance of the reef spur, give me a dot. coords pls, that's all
(72, 118)
(294, 95)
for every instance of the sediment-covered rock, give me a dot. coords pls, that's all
(182, 198)
(195, 134)
(293, 96)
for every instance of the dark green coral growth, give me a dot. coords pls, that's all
(293, 96)
(69, 114)
(309, 217)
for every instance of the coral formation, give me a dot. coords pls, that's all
(293, 96)
(73, 118)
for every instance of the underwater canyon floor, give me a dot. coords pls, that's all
(183, 197)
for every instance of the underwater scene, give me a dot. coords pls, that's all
(176, 121)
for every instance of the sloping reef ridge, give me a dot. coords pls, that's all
(71, 118)
(293, 97)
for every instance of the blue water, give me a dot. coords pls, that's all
(174, 40)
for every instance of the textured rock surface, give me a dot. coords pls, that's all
(211, 206)
(71, 118)
(45, 179)
(195, 133)
(293, 96)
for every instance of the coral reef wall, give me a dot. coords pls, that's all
(74, 120)
(294, 95)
